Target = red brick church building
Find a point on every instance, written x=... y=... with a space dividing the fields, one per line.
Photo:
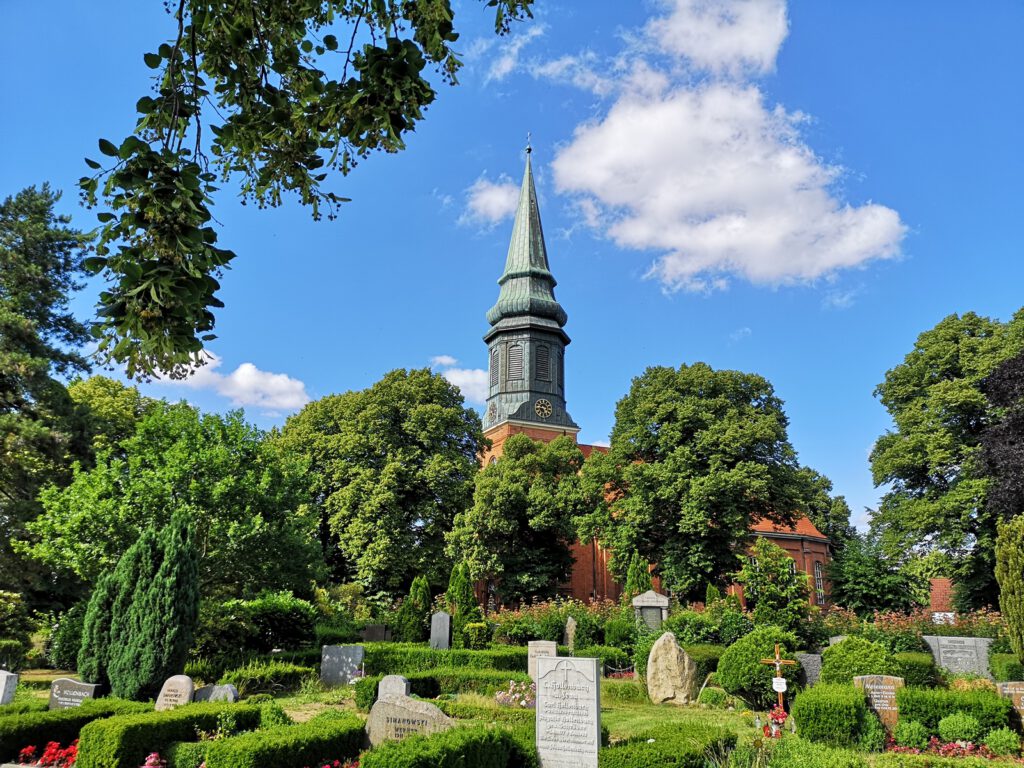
x=526 y=375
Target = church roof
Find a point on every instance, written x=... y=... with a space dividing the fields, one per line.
x=527 y=285
x=802 y=527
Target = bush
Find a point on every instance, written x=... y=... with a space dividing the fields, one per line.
x=62 y=725
x=929 y=705
x=432 y=683
x=66 y=638
x=959 y=726
x=793 y=752
x=691 y=747
x=1005 y=667
x=620 y=633
x=399 y=658
x=477 y=747
x=692 y=628
x=872 y=734
x=706 y=657
x=23 y=706
x=15 y=623
x=1003 y=742
x=237 y=628
x=12 y=654
x=186 y=754
x=613 y=658
x=741 y=673
x=830 y=714
x=716 y=698
x=855 y=656
x=623 y=691
x=124 y=742
x=413 y=617
x=476 y=635
x=281 y=620
x=733 y=624
x=916 y=668
x=329 y=736
x=266 y=677
x=340 y=630
x=910 y=733
x=645 y=640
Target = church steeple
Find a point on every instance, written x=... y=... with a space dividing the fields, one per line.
x=526 y=341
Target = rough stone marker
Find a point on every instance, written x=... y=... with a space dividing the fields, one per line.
x=671 y=673
x=396 y=715
x=216 y=693
x=568 y=711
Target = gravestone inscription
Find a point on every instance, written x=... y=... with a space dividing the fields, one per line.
x=216 y=693
x=395 y=715
x=651 y=608
x=881 y=693
x=539 y=648
x=568 y=712
x=8 y=685
x=176 y=690
x=1014 y=691
x=961 y=654
x=811 y=665
x=66 y=693
x=441 y=631
x=340 y=664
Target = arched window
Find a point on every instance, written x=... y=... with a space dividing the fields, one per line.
x=543 y=366
x=495 y=357
x=515 y=361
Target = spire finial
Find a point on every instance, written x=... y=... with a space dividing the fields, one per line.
x=529 y=148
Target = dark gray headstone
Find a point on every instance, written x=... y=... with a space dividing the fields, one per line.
x=66 y=693
x=340 y=664
x=216 y=693
x=376 y=633
x=961 y=654
x=8 y=685
x=441 y=631
x=811 y=664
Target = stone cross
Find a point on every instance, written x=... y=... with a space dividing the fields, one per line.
x=779 y=663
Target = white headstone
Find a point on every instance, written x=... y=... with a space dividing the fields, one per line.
x=568 y=711
x=539 y=648
x=8 y=684
x=176 y=690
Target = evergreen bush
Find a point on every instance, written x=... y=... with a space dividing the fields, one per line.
x=477 y=635
x=1005 y=667
x=872 y=733
x=613 y=658
x=638 y=578
x=281 y=621
x=910 y=733
x=462 y=602
x=692 y=628
x=959 y=726
x=855 y=656
x=327 y=737
x=477 y=747
x=929 y=705
x=412 y=622
x=645 y=640
x=399 y=658
x=830 y=714
x=794 y=752
x=1003 y=742
x=693 y=747
x=620 y=633
x=94 y=652
x=61 y=725
x=66 y=638
x=741 y=673
x=1010 y=576
x=917 y=668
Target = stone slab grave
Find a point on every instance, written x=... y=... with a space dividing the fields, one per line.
x=66 y=693
x=837 y=639
x=1014 y=691
x=671 y=673
x=376 y=633
x=569 y=636
x=340 y=664
x=216 y=693
x=176 y=690
x=881 y=693
x=396 y=715
x=961 y=654
x=8 y=685
x=568 y=711
x=652 y=608
x=538 y=648
x=441 y=631
x=810 y=663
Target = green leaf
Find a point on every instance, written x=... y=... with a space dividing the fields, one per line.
x=330 y=42
x=108 y=148
x=105 y=216
x=92 y=163
x=153 y=60
x=94 y=264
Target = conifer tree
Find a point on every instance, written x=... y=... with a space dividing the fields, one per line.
x=412 y=619
x=638 y=578
x=711 y=595
x=1010 y=575
x=462 y=602
x=95 y=647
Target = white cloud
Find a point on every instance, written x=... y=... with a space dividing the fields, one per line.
x=443 y=361
x=576 y=70
x=248 y=385
x=739 y=334
x=840 y=299
x=490 y=202
x=471 y=381
x=507 y=60
x=707 y=173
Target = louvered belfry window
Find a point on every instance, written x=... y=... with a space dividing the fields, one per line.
x=515 y=361
x=543 y=363
x=495 y=357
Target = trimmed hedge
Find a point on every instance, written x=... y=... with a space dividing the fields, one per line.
x=929 y=705
x=609 y=656
x=917 y=668
x=399 y=658
x=328 y=736
x=896 y=760
x=683 y=748
x=461 y=710
x=124 y=742
x=792 y=752
x=830 y=714
x=267 y=677
x=432 y=683
x=23 y=706
x=1005 y=667
x=476 y=747
x=705 y=657
x=61 y=725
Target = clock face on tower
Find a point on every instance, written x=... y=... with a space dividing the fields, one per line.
x=542 y=408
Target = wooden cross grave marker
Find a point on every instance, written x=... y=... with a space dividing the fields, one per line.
x=779 y=663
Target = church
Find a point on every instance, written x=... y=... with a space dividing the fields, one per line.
x=526 y=346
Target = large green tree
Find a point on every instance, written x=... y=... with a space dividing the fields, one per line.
x=518 y=533
x=930 y=461
x=110 y=410
x=244 y=501
x=388 y=468
x=1002 y=442
x=864 y=579
x=273 y=96
x=774 y=587
x=697 y=455
x=40 y=265
x=830 y=514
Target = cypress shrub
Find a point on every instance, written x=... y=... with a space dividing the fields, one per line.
x=855 y=656
x=477 y=747
x=93 y=653
x=1005 y=667
x=1010 y=575
x=830 y=714
x=66 y=640
x=638 y=578
x=462 y=602
x=411 y=623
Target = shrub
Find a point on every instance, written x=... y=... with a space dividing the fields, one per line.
x=12 y=654
x=855 y=656
x=910 y=733
x=124 y=742
x=611 y=658
x=1005 y=667
x=411 y=621
x=66 y=638
x=872 y=734
x=830 y=714
x=462 y=602
x=793 y=752
x=93 y=654
x=23 y=706
x=15 y=623
x=732 y=625
x=916 y=668
x=266 y=677
x=716 y=698
x=477 y=747
x=61 y=725
x=706 y=657
x=476 y=635
x=432 y=683
x=638 y=577
x=186 y=754
x=1003 y=742
x=331 y=735
x=281 y=620
x=691 y=747
x=692 y=628
x=777 y=590
x=645 y=640
x=929 y=705
x=340 y=630
x=959 y=726
x=741 y=673
x=399 y=658
x=620 y=633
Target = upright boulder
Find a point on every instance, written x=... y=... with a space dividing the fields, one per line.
x=671 y=673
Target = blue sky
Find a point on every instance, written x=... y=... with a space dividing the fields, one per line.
x=795 y=189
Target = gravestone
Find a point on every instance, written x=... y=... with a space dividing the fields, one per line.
x=441 y=631
x=539 y=648
x=66 y=693
x=961 y=654
x=837 y=639
x=810 y=663
x=216 y=693
x=376 y=633
x=8 y=684
x=671 y=673
x=569 y=637
x=1015 y=693
x=881 y=693
x=395 y=715
x=176 y=690
x=568 y=711
x=652 y=608
x=340 y=664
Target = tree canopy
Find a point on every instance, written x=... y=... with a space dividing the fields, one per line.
x=274 y=96
x=773 y=586
x=518 y=533
x=865 y=580
x=930 y=458
x=1002 y=442
x=697 y=455
x=388 y=469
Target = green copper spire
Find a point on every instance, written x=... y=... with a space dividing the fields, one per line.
x=527 y=285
